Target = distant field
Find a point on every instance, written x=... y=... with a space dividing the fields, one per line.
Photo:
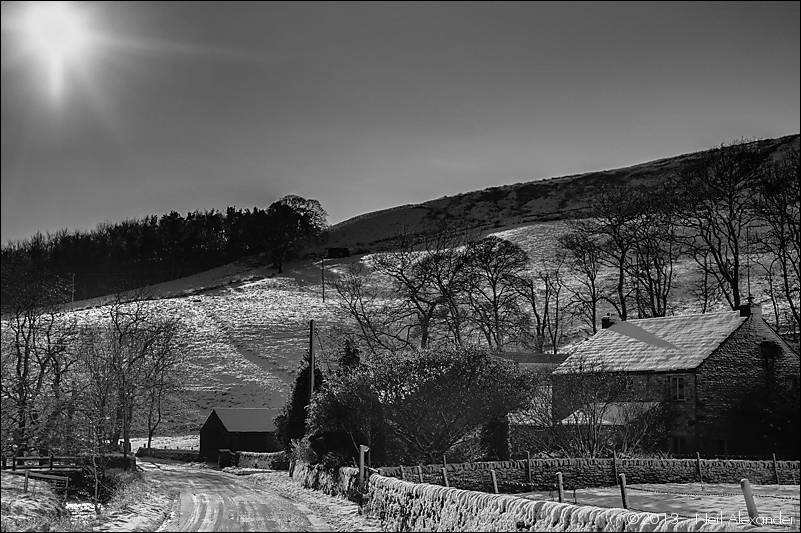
x=179 y=442
x=775 y=503
x=247 y=329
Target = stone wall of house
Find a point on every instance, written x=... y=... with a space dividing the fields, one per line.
x=735 y=379
x=513 y=476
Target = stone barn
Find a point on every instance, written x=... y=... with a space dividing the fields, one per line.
x=238 y=429
x=730 y=383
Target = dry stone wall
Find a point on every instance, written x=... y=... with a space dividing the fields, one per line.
x=272 y=461
x=406 y=506
x=342 y=482
x=513 y=476
x=163 y=453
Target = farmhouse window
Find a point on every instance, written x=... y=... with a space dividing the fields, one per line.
x=678 y=444
x=677 y=389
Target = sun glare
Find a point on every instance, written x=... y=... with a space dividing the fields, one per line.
x=56 y=33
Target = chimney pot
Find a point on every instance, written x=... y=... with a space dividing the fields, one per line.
x=606 y=321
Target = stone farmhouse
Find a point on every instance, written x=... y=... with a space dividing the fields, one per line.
x=714 y=372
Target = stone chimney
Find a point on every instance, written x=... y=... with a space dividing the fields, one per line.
x=607 y=321
x=751 y=308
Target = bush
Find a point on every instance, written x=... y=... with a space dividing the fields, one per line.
x=301 y=451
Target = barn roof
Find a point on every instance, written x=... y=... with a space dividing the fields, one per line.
x=653 y=344
x=246 y=419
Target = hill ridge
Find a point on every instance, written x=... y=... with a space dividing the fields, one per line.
x=552 y=198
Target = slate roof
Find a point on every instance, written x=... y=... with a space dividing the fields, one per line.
x=247 y=419
x=653 y=344
x=615 y=414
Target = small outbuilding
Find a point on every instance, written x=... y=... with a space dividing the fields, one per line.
x=244 y=429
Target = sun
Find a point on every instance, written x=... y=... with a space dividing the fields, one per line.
x=57 y=34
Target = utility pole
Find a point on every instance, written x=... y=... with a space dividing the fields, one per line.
x=322 y=275
x=73 y=287
x=748 y=260
x=311 y=360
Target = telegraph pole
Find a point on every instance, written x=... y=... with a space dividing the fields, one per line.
x=311 y=360
x=73 y=287
x=322 y=275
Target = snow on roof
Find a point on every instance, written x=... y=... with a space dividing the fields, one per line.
x=247 y=419
x=653 y=344
x=611 y=414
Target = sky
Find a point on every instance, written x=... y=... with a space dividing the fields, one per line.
x=186 y=106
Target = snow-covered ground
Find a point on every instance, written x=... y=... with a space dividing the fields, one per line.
x=34 y=508
x=178 y=442
x=243 y=342
x=247 y=328
x=342 y=514
x=777 y=504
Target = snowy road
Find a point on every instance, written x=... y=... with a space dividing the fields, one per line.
x=210 y=500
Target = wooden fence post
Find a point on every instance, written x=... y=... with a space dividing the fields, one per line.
x=776 y=470
x=362 y=450
x=51 y=461
x=444 y=461
x=445 y=477
x=25 y=489
x=560 y=487
x=13 y=462
x=419 y=474
x=4 y=462
x=698 y=467
x=622 y=481
x=614 y=464
x=528 y=471
x=494 y=480
x=750 y=504
x=403 y=476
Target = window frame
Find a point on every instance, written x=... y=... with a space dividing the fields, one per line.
x=677 y=392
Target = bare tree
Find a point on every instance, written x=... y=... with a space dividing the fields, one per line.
x=413 y=282
x=120 y=356
x=37 y=356
x=596 y=409
x=410 y=296
x=656 y=251
x=544 y=293
x=163 y=378
x=706 y=292
x=614 y=231
x=495 y=265
x=777 y=207
x=717 y=208
x=584 y=263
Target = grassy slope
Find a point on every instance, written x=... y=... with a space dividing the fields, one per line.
x=247 y=327
x=245 y=335
x=32 y=510
x=519 y=203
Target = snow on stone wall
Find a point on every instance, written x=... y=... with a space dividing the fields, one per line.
x=343 y=482
x=406 y=506
x=272 y=461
